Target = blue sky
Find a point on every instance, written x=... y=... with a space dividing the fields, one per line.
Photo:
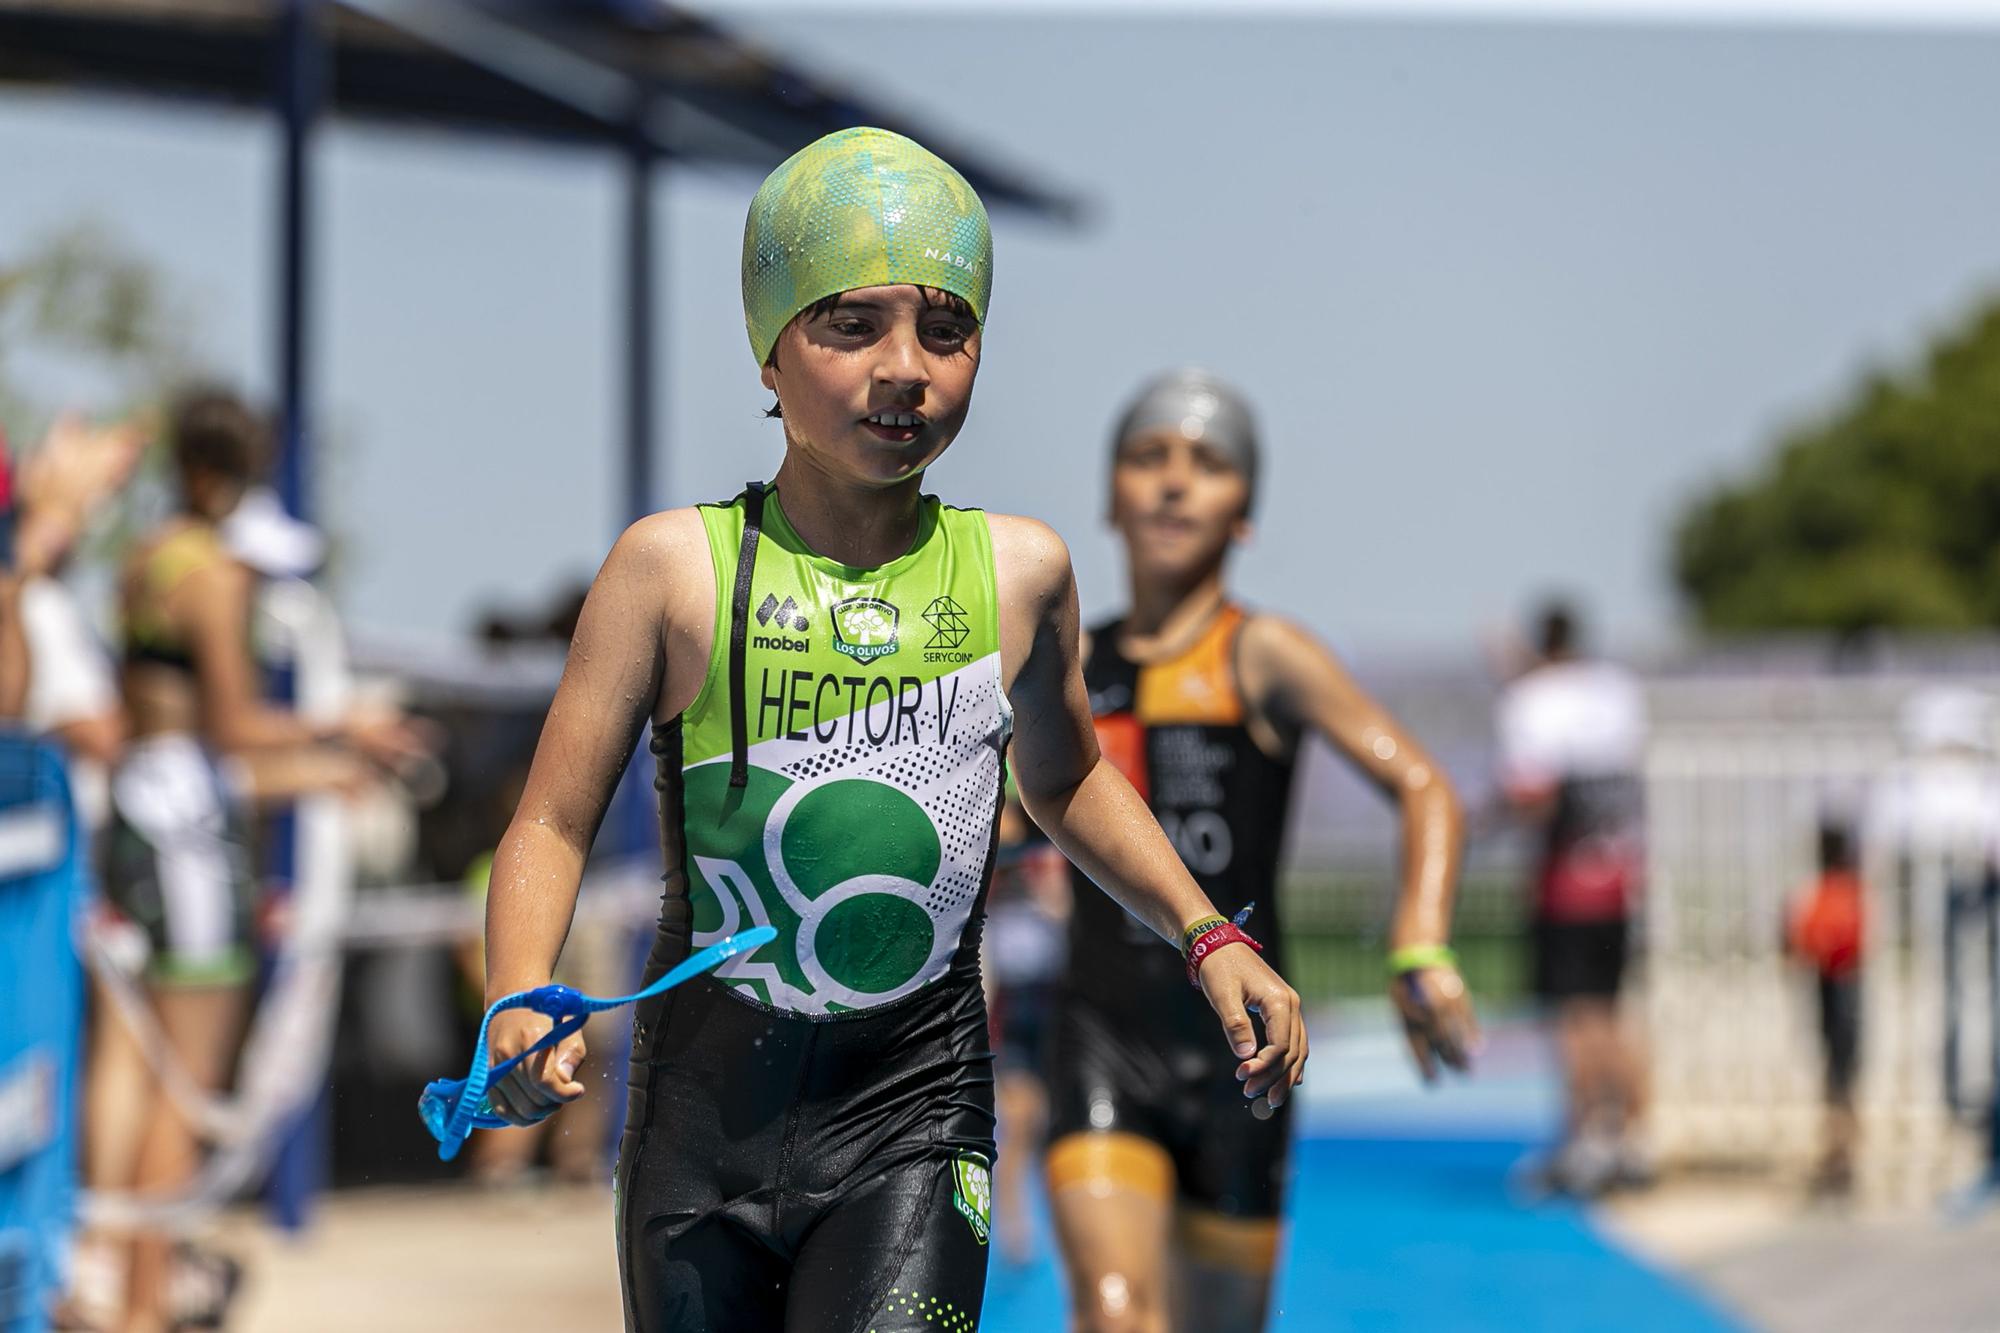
x=1506 y=293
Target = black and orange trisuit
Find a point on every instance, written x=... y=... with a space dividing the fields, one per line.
x=1136 y=1058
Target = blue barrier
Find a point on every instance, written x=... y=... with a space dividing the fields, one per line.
x=42 y=888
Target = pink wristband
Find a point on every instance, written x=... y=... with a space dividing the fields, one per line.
x=1224 y=934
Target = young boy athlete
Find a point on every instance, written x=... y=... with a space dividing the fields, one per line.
x=832 y=665
x=1167 y=1195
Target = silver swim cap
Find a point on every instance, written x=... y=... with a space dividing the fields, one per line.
x=1201 y=407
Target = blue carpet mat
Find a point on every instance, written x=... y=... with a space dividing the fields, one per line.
x=1420 y=1234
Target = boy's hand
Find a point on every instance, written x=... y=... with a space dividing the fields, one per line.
x=543 y=1083
x=1436 y=1010
x=1237 y=983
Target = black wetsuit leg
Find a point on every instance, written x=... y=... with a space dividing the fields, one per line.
x=714 y=1278
x=898 y=1255
x=1178 y=1089
x=700 y=1247
x=780 y=1172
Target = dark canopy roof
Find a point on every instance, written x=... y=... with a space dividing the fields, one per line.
x=630 y=73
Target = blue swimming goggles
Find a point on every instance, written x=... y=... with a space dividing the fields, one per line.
x=453 y=1107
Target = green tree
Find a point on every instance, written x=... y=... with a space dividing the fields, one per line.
x=1887 y=514
x=85 y=322
x=80 y=297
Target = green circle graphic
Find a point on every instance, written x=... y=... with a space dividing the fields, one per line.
x=857 y=827
x=723 y=821
x=874 y=942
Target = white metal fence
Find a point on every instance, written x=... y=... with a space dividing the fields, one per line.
x=1740 y=773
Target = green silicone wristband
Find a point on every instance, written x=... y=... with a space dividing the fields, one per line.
x=1420 y=956
x=1199 y=929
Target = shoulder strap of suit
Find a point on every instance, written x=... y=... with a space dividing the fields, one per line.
x=739 y=617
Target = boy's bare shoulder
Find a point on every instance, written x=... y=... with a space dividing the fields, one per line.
x=668 y=530
x=659 y=545
x=1029 y=555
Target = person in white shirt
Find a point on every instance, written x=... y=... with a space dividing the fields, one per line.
x=72 y=693
x=72 y=690
x=1571 y=740
x=1938 y=810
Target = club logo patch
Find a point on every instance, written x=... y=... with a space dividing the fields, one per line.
x=865 y=628
x=972 y=1191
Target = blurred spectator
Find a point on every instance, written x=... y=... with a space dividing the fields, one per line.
x=554 y=625
x=1571 y=738
x=72 y=693
x=1025 y=943
x=270 y=541
x=13 y=642
x=1939 y=806
x=177 y=867
x=1825 y=934
x=1939 y=809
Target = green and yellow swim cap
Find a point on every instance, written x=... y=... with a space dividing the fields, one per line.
x=860 y=208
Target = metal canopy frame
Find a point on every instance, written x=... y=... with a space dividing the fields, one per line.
x=644 y=78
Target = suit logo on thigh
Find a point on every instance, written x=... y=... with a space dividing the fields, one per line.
x=972 y=1191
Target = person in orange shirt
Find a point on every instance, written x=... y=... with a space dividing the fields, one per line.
x=1825 y=933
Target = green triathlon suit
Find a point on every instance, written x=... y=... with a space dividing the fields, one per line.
x=811 y=1126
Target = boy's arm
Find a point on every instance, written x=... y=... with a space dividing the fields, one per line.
x=1290 y=677
x=1091 y=812
x=651 y=591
